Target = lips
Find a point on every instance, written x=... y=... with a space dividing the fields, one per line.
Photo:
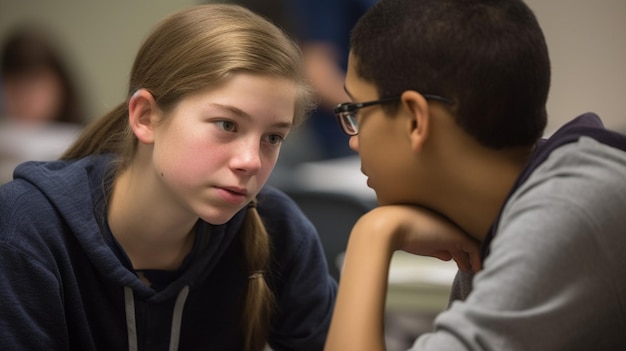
x=367 y=180
x=233 y=195
x=237 y=190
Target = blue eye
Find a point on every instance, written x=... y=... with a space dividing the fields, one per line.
x=226 y=125
x=275 y=139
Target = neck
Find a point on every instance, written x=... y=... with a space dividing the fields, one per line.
x=151 y=233
x=481 y=189
x=473 y=181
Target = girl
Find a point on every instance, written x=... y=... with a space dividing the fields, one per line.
x=154 y=231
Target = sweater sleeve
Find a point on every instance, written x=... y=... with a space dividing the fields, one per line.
x=32 y=315
x=554 y=277
x=305 y=291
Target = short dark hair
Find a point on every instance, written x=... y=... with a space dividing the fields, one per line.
x=489 y=56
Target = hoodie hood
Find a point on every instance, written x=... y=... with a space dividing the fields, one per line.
x=69 y=287
x=66 y=185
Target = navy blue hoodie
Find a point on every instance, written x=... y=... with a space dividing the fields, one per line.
x=65 y=284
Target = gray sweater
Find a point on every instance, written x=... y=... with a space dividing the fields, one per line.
x=554 y=278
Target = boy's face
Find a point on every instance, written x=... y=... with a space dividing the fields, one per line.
x=383 y=144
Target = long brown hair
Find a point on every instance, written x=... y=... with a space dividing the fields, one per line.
x=188 y=51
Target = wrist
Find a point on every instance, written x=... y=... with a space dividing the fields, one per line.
x=380 y=232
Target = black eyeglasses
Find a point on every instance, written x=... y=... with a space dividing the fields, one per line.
x=346 y=112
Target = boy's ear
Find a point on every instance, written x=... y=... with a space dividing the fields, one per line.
x=142 y=114
x=419 y=118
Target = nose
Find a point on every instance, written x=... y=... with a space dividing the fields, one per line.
x=247 y=158
x=353 y=142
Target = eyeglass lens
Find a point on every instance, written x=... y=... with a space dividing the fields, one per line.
x=349 y=122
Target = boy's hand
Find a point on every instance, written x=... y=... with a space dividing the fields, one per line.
x=359 y=310
x=422 y=232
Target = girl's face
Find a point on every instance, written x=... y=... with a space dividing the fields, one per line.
x=217 y=148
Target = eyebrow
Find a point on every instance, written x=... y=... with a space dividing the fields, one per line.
x=241 y=113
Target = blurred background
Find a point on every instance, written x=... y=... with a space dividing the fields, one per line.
x=97 y=42
x=585 y=38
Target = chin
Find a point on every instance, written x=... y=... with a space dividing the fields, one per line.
x=383 y=200
x=219 y=218
x=380 y=199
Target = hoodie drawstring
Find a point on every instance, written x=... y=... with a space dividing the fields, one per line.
x=131 y=325
x=177 y=316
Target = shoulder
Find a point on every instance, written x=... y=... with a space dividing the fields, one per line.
x=575 y=173
x=22 y=201
x=569 y=216
x=583 y=180
x=46 y=202
x=271 y=193
x=289 y=228
x=578 y=195
x=559 y=248
x=285 y=222
x=278 y=208
x=27 y=220
x=557 y=260
x=584 y=173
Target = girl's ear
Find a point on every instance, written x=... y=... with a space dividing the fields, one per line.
x=419 y=118
x=142 y=115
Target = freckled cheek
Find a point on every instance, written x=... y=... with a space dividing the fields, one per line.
x=189 y=162
x=266 y=171
x=271 y=157
x=268 y=162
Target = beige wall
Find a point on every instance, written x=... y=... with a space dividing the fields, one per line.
x=587 y=41
x=100 y=37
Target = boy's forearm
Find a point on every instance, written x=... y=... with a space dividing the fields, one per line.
x=358 y=319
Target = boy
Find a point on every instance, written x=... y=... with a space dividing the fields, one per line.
x=447 y=117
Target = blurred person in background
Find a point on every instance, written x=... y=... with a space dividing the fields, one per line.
x=323 y=29
x=41 y=108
